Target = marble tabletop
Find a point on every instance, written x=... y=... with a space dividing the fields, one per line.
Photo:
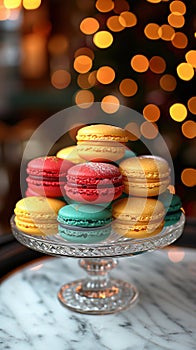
x=32 y=318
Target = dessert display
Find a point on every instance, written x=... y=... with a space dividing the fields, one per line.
x=37 y=215
x=46 y=176
x=173 y=207
x=81 y=223
x=137 y=217
x=101 y=142
x=145 y=176
x=94 y=182
x=70 y=153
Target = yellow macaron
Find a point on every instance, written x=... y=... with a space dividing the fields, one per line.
x=101 y=142
x=37 y=215
x=145 y=176
x=71 y=154
x=136 y=217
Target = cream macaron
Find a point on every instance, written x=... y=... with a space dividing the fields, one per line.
x=145 y=176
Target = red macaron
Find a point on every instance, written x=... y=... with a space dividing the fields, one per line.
x=47 y=176
x=94 y=182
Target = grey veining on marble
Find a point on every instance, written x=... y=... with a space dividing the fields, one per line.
x=31 y=317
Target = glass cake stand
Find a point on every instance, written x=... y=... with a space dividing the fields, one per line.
x=98 y=293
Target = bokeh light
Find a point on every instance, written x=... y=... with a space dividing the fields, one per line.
x=103 y=39
x=84 y=98
x=57 y=44
x=154 y=1
x=82 y=64
x=89 y=25
x=12 y=4
x=151 y=112
x=176 y=254
x=189 y=129
x=127 y=19
x=86 y=51
x=191 y=57
x=105 y=75
x=128 y=87
x=31 y=4
x=168 y=82
x=84 y=82
x=185 y=71
x=60 y=79
x=133 y=131
x=180 y=40
x=121 y=6
x=110 y=104
x=188 y=177
x=166 y=32
x=176 y=20
x=152 y=31
x=114 y=24
x=104 y=5
x=157 y=64
x=149 y=130
x=178 y=112
x=178 y=6
x=139 y=63
x=192 y=104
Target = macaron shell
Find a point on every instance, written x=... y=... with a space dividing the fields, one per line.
x=100 y=151
x=87 y=236
x=102 y=132
x=45 y=188
x=137 y=231
x=70 y=153
x=144 y=188
x=49 y=166
x=95 y=196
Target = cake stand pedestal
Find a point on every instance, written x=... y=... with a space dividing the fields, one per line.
x=98 y=293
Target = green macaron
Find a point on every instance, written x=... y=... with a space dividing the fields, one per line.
x=84 y=223
x=173 y=205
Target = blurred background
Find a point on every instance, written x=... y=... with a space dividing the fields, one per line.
x=55 y=54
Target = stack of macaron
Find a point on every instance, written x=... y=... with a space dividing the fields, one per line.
x=104 y=187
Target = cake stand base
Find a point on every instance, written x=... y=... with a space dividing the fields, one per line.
x=98 y=294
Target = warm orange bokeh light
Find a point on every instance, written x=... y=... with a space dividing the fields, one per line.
x=185 y=71
x=82 y=64
x=157 y=64
x=152 y=31
x=31 y=4
x=166 y=32
x=168 y=82
x=176 y=20
x=84 y=51
x=104 y=5
x=192 y=104
x=127 y=19
x=189 y=129
x=154 y=1
x=4 y=13
x=178 y=6
x=92 y=78
x=188 y=177
x=60 y=79
x=105 y=75
x=89 y=25
x=57 y=44
x=84 y=98
x=103 y=39
x=176 y=254
x=133 y=131
x=83 y=81
x=151 y=112
x=12 y=4
x=139 y=63
x=180 y=40
x=114 y=24
x=110 y=104
x=128 y=87
x=178 y=112
x=191 y=57
x=149 y=130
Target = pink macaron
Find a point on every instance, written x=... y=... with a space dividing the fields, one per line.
x=47 y=176
x=94 y=182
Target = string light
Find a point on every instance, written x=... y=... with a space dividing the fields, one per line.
x=188 y=177
x=189 y=129
x=128 y=87
x=84 y=98
x=185 y=71
x=105 y=75
x=139 y=63
x=82 y=64
x=103 y=39
x=178 y=112
x=151 y=112
x=168 y=82
x=191 y=57
x=192 y=104
x=110 y=104
x=89 y=25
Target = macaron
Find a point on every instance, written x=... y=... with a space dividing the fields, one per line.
x=94 y=182
x=70 y=153
x=136 y=217
x=37 y=215
x=173 y=207
x=47 y=176
x=145 y=176
x=101 y=142
x=80 y=223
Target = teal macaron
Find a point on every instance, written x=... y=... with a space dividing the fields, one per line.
x=84 y=223
x=173 y=205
